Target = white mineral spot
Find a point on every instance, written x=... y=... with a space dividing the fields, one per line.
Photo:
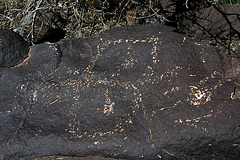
x=232 y=95
x=136 y=41
x=35 y=95
x=199 y=95
x=197 y=44
x=180 y=121
x=184 y=39
x=22 y=87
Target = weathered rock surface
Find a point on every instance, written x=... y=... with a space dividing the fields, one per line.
x=221 y=22
x=73 y=158
x=140 y=92
x=13 y=48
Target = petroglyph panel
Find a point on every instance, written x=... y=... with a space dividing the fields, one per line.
x=127 y=93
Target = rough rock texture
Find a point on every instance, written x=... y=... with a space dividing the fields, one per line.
x=48 y=27
x=231 y=67
x=13 y=48
x=140 y=92
x=73 y=158
x=220 y=22
x=168 y=7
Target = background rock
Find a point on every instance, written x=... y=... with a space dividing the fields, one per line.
x=49 y=27
x=139 y=92
x=219 y=22
x=73 y=158
x=13 y=48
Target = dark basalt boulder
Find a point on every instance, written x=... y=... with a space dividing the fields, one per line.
x=13 y=48
x=139 y=92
